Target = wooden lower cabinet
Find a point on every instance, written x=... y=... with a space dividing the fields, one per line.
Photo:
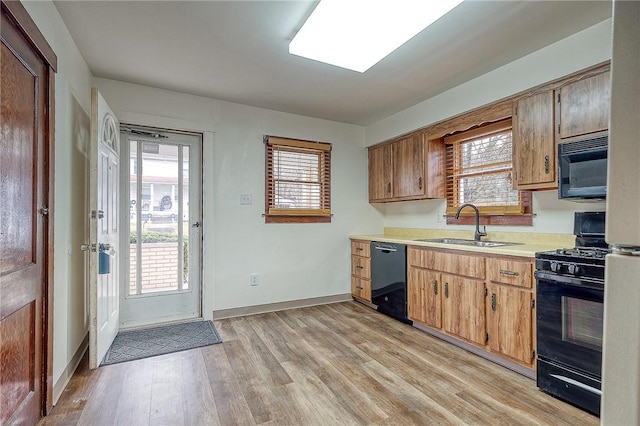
x=424 y=297
x=361 y=270
x=463 y=310
x=486 y=301
x=509 y=322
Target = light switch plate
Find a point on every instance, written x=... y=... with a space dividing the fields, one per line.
x=246 y=199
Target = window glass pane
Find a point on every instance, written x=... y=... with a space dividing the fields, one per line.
x=480 y=171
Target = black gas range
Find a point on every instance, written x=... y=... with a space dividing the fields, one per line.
x=569 y=313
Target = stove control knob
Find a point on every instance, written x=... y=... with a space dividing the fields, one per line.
x=555 y=266
x=573 y=269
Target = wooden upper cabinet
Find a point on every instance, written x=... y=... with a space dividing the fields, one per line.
x=584 y=106
x=380 y=173
x=408 y=167
x=534 y=148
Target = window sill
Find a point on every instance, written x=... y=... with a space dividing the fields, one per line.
x=296 y=219
x=509 y=220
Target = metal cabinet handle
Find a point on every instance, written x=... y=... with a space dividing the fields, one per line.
x=389 y=187
x=446 y=290
x=435 y=287
x=420 y=183
x=547 y=167
x=493 y=302
x=507 y=272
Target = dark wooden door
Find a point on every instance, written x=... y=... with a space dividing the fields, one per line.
x=23 y=229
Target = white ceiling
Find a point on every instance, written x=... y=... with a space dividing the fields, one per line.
x=238 y=51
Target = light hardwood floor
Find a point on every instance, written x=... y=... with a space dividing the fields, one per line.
x=337 y=364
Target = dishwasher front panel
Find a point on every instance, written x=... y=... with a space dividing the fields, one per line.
x=389 y=279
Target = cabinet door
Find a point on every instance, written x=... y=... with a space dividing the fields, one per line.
x=408 y=167
x=380 y=173
x=534 y=148
x=584 y=106
x=424 y=297
x=509 y=322
x=463 y=308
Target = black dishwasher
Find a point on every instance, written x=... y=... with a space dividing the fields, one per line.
x=389 y=279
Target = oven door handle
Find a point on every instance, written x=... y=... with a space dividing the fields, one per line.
x=573 y=382
x=576 y=282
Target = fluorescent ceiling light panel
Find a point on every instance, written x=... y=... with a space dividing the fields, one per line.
x=357 y=34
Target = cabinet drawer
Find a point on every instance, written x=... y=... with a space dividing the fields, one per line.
x=361 y=248
x=361 y=267
x=361 y=288
x=510 y=271
x=461 y=263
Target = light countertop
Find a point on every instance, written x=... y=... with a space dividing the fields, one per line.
x=529 y=242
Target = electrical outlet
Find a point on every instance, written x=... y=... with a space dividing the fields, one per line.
x=253 y=279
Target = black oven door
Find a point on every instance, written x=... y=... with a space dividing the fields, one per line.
x=582 y=174
x=569 y=322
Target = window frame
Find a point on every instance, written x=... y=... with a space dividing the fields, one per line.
x=273 y=214
x=490 y=215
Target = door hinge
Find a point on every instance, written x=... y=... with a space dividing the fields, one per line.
x=533 y=303
x=558 y=97
x=486 y=337
x=44 y=211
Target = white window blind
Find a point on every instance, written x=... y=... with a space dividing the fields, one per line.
x=298 y=178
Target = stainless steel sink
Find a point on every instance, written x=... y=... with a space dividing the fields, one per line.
x=464 y=242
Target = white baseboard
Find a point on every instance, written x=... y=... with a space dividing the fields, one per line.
x=63 y=381
x=279 y=306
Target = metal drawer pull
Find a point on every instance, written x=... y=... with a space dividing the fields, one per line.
x=359 y=267
x=359 y=248
x=359 y=288
x=507 y=272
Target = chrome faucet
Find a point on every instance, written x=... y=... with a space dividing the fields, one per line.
x=477 y=234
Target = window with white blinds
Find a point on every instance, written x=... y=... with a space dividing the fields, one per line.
x=479 y=170
x=298 y=180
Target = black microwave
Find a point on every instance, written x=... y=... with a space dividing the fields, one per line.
x=582 y=169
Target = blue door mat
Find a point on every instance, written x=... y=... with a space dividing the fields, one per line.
x=148 y=342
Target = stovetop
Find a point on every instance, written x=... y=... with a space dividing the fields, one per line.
x=583 y=262
x=583 y=253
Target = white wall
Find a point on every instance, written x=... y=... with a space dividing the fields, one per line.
x=72 y=106
x=581 y=50
x=294 y=261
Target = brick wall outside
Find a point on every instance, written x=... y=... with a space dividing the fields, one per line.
x=159 y=267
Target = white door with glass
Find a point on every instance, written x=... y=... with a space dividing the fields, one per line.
x=104 y=229
x=161 y=251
